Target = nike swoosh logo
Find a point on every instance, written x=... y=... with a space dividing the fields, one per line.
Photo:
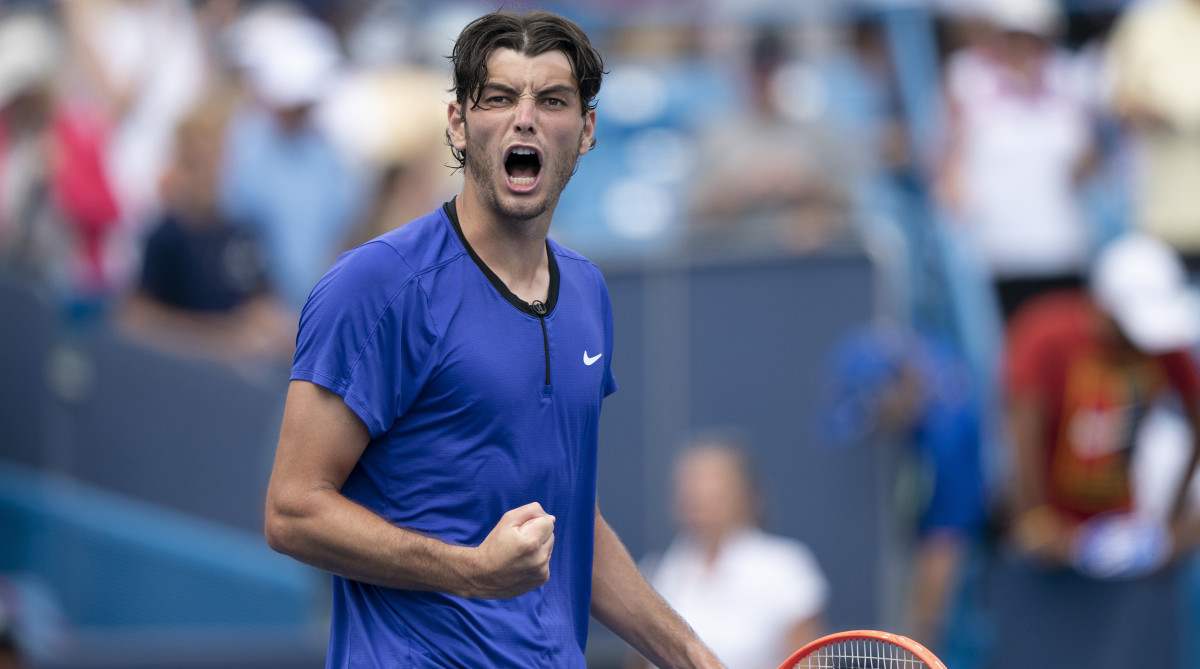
x=589 y=361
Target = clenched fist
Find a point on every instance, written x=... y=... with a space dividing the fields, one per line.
x=515 y=556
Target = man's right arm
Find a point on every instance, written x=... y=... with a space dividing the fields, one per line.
x=308 y=518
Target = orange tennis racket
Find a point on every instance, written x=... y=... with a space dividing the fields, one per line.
x=863 y=649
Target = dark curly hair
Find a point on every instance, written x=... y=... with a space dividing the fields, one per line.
x=532 y=34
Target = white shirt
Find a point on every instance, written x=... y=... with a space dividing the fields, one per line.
x=743 y=605
x=1020 y=150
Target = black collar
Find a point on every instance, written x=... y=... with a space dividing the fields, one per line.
x=451 y=209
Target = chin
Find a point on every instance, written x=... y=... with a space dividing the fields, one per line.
x=522 y=207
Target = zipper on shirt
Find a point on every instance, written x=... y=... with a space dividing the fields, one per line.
x=539 y=308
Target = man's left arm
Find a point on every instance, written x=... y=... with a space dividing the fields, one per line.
x=625 y=603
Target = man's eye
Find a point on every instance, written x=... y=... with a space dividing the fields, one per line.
x=497 y=100
x=555 y=102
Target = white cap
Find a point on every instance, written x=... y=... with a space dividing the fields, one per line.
x=1142 y=284
x=28 y=53
x=1036 y=17
x=289 y=59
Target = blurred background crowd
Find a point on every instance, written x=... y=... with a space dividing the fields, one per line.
x=205 y=161
x=181 y=173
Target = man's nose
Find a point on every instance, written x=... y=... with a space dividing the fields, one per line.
x=525 y=114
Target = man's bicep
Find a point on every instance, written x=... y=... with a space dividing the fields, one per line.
x=321 y=438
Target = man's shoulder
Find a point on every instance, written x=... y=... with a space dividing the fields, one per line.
x=419 y=234
x=378 y=270
x=570 y=261
x=563 y=252
x=417 y=247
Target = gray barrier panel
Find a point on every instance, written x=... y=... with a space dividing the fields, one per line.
x=743 y=344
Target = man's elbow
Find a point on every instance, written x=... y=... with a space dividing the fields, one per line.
x=279 y=528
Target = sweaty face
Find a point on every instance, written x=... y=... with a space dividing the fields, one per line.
x=524 y=138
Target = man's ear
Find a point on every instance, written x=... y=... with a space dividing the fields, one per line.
x=589 y=132
x=457 y=126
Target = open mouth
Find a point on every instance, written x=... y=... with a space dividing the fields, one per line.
x=522 y=166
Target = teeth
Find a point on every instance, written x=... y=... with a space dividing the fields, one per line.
x=523 y=181
x=523 y=151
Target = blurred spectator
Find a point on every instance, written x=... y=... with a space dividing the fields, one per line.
x=892 y=385
x=772 y=174
x=1107 y=189
x=214 y=21
x=1154 y=49
x=1082 y=371
x=203 y=286
x=284 y=177
x=143 y=62
x=57 y=208
x=11 y=656
x=753 y=597
x=389 y=114
x=875 y=111
x=1020 y=140
x=892 y=202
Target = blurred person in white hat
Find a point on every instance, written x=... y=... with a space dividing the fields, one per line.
x=285 y=177
x=1082 y=370
x=288 y=59
x=1020 y=140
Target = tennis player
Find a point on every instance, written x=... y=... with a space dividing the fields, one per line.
x=439 y=441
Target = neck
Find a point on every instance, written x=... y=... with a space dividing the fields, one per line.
x=515 y=250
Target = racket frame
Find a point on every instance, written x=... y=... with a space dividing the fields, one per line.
x=874 y=636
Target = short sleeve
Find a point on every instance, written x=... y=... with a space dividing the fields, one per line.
x=367 y=335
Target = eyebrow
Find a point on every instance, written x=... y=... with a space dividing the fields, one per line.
x=553 y=89
x=558 y=89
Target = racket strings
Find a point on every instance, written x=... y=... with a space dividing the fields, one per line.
x=861 y=654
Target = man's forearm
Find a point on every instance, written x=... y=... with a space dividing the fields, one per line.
x=307 y=517
x=332 y=533
x=625 y=603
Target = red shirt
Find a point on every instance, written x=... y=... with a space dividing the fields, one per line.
x=1093 y=396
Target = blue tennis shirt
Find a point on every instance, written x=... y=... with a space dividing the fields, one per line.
x=477 y=403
